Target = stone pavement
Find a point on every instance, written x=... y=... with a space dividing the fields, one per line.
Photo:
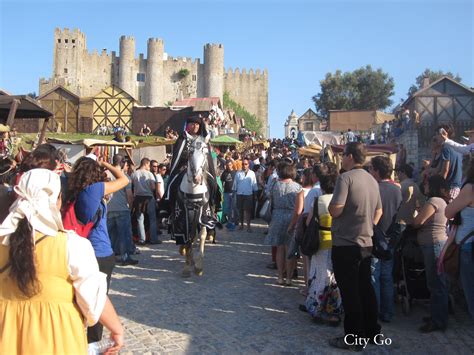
x=236 y=307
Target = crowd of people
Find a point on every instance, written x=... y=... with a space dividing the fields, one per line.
x=42 y=261
x=343 y=277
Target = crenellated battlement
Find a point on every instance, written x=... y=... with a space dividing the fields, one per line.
x=67 y=32
x=127 y=38
x=155 y=40
x=183 y=59
x=103 y=55
x=251 y=74
x=213 y=45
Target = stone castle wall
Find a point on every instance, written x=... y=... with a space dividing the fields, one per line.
x=250 y=90
x=176 y=87
x=155 y=80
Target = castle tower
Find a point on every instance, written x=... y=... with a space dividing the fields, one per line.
x=127 y=70
x=154 y=73
x=67 y=63
x=214 y=70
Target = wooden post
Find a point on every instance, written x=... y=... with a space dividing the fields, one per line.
x=66 y=126
x=11 y=114
x=43 y=130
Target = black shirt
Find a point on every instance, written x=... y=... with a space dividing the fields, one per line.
x=227 y=179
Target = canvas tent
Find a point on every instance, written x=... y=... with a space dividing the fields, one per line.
x=312 y=150
x=80 y=147
x=136 y=151
x=225 y=140
x=373 y=150
x=23 y=108
x=321 y=138
x=342 y=120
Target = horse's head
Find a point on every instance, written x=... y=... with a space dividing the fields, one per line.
x=197 y=160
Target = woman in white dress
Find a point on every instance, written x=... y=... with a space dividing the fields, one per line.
x=323 y=302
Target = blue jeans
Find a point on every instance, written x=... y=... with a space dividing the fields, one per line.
x=382 y=280
x=228 y=209
x=467 y=275
x=437 y=284
x=151 y=212
x=119 y=225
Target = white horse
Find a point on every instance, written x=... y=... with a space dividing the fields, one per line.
x=194 y=194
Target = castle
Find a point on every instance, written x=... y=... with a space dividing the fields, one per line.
x=158 y=79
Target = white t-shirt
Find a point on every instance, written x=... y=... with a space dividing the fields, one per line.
x=309 y=199
x=161 y=185
x=143 y=182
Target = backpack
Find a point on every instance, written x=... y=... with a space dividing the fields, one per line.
x=310 y=240
x=70 y=221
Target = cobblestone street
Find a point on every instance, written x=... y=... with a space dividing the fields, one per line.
x=236 y=307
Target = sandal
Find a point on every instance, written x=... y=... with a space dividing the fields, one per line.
x=280 y=282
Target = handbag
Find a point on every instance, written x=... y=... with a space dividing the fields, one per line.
x=451 y=257
x=293 y=247
x=266 y=211
x=380 y=246
x=383 y=243
x=267 y=208
x=300 y=228
x=310 y=242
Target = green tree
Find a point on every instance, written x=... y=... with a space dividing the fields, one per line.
x=252 y=123
x=433 y=76
x=362 y=89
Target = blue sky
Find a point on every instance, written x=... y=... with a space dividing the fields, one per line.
x=297 y=41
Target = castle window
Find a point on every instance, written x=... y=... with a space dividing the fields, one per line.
x=59 y=40
x=66 y=41
x=194 y=77
x=308 y=126
x=65 y=70
x=73 y=41
x=141 y=77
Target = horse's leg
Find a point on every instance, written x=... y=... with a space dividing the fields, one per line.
x=188 y=252
x=198 y=267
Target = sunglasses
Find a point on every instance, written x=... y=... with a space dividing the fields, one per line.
x=154 y=166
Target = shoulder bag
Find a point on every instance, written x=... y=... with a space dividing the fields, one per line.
x=267 y=208
x=310 y=241
x=451 y=257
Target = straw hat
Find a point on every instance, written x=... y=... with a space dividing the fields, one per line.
x=4 y=128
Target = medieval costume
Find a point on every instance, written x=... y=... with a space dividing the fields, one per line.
x=182 y=230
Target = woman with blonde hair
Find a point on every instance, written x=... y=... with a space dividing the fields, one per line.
x=50 y=279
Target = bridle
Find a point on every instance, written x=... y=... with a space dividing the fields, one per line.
x=197 y=160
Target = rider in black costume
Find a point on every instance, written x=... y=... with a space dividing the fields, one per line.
x=194 y=127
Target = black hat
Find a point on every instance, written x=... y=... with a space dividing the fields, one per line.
x=195 y=119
